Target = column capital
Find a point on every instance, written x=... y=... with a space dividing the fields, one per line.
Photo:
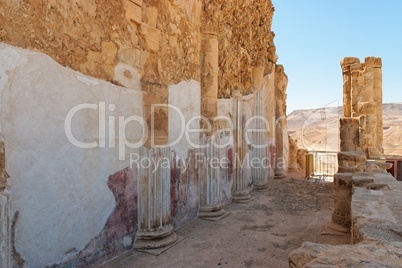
x=373 y=62
x=349 y=61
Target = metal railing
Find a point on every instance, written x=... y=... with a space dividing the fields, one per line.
x=325 y=163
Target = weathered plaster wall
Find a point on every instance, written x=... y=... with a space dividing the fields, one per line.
x=148 y=45
x=184 y=116
x=120 y=41
x=59 y=191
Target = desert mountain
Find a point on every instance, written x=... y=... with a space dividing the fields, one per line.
x=318 y=129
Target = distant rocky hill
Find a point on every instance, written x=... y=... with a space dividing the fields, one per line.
x=318 y=129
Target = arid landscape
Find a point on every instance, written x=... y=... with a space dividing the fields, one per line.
x=318 y=129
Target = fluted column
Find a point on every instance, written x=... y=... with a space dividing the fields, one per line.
x=154 y=227
x=209 y=172
x=259 y=173
x=269 y=112
x=241 y=181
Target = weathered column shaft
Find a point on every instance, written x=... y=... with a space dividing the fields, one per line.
x=293 y=166
x=269 y=111
x=357 y=83
x=209 y=172
x=376 y=64
x=365 y=99
x=347 y=88
x=346 y=64
x=154 y=228
x=259 y=146
x=241 y=182
x=209 y=75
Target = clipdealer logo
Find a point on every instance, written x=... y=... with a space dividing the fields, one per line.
x=112 y=131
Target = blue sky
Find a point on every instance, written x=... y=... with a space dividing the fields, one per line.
x=312 y=37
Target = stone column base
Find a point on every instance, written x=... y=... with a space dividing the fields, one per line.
x=261 y=185
x=242 y=196
x=279 y=175
x=155 y=239
x=212 y=213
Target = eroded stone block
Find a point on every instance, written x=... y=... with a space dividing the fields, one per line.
x=133 y=11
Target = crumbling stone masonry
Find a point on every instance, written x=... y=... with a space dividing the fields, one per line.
x=129 y=58
x=366 y=198
x=375 y=222
x=360 y=129
x=362 y=94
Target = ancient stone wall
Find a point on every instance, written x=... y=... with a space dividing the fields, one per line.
x=59 y=157
x=96 y=36
x=246 y=41
x=362 y=91
x=371 y=201
x=186 y=53
x=151 y=43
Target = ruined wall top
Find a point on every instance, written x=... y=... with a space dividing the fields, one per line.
x=158 y=42
x=362 y=100
x=246 y=40
x=368 y=61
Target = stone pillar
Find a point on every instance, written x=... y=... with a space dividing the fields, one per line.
x=209 y=74
x=269 y=112
x=282 y=154
x=376 y=64
x=347 y=84
x=351 y=159
x=209 y=173
x=301 y=159
x=293 y=166
x=343 y=191
x=349 y=134
x=210 y=195
x=363 y=94
x=156 y=117
x=357 y=83
x=154 y=227
x=241 y=182
x=367 y=107
x=259 y=145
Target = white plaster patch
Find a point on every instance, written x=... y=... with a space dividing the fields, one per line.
x=185 y=99
x=60 y=190
x=9 y=59
x=87 y=80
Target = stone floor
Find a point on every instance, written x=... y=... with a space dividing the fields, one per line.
x=261 y=233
